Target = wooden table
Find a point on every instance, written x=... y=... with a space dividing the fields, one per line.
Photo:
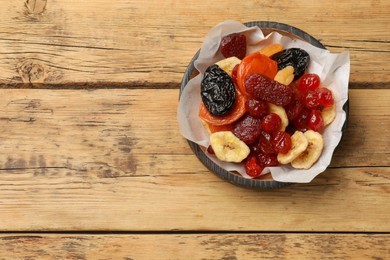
x=93 y=165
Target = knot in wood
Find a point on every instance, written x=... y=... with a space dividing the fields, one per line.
x=32 y=72
x=35 y=6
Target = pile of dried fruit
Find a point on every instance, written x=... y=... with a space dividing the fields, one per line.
x=264 y=109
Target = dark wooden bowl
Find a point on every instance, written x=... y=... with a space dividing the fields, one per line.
x=235 y=178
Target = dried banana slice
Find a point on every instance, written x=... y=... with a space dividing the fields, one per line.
x=227 y=147
x=312 y=152
x=281 y=112
x=298 y=146
x=228 y=64
x=328 y=114
x=285 y=76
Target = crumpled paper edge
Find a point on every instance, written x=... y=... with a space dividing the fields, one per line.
x=333 y=70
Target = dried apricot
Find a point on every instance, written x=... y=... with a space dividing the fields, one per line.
x=220 y=128
x=255 y=63
x=235 y=113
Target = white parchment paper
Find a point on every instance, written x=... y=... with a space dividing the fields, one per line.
x=333 y=70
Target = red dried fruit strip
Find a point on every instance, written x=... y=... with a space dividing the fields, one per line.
x=255 y=63
x=263 y=88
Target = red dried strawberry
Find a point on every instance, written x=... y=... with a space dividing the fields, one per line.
x=247 y=129
x=233 y=45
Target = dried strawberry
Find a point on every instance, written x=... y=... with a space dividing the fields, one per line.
x=247 y=129
x=233 y=45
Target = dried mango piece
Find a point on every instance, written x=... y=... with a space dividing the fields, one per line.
x=285 y=76
x=271 y=49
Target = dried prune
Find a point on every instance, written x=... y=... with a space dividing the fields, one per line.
x=295 y=57
x=217 y=91
x=247 y=129
x=263 y=88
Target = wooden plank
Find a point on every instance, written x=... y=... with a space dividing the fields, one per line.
x=196 y=246
x=63 y=42
x=189 y=199
x=83 y=129
x=114 y=160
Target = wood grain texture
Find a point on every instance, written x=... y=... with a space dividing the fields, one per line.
x=197 y=246
x=136 y=43
x=114 y=160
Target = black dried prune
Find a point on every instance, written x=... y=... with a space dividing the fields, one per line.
x=295 y=57
x=217 y=91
